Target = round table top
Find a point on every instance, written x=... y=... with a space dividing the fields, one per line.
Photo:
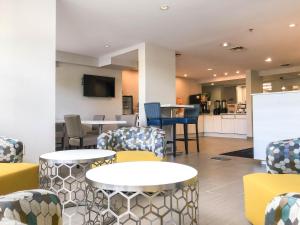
x=141 y=176
x=98 y=122
x=78 y=156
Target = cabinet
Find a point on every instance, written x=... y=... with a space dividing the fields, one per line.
x=212 y=124
x=240 y=124
x=228 y=124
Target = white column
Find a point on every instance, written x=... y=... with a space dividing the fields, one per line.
x=253 y=85
x=27 y=72
x=157 y=76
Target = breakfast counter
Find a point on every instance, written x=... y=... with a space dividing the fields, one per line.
x=230 y=125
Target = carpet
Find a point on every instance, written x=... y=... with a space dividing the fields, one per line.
x=244 y=153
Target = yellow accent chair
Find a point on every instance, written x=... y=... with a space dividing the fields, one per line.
x=283 y=166
x=15 y=175
x=134 y=143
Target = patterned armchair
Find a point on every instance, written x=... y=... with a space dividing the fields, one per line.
x=33 y=207
x=284 y=157
x=284 y=209
x=11 y=150
x=134 y=138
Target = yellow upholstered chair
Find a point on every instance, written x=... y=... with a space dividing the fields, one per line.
x=283 y=166
x=134 y=143
x=14 y=175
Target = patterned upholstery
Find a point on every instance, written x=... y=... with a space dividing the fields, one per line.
x=33 y=207
x=284 y=156
x=134 y=138
x=11 y=150
x=284 y=209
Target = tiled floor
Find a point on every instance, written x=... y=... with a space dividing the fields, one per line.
x=220 y=182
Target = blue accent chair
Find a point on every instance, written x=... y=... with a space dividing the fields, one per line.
x=190 y=117
x=154 y=118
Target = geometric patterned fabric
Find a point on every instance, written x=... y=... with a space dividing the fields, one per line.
x=134 y=138
x=284 y=210
x=283 y=157
x=32 y=207
x=11 y=150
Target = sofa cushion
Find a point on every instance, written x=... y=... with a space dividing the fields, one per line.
x=261 y=188
x=18 y=176
x=133 y=156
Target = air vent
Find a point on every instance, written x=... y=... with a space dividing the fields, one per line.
x=177 y=54
x=237 y=49
x=285 y=65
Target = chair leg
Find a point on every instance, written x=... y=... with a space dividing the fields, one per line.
x=174 y=140
x=186 y=140
x=81 y=143
x=197 y=137
x=63 y=143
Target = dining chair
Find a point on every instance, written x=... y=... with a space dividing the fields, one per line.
x=154 y=118
x=190 y=117
x=76 y=134
x=131 y=120
x=60 y=136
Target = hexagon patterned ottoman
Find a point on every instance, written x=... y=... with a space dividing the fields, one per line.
x=32 y=207
x=284 y=209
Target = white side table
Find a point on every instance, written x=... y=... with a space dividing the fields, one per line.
x=156 y=193
x=64 y=172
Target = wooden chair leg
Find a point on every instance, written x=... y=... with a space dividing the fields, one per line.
x=174 y=140
x=186 y=140
x=197 y=137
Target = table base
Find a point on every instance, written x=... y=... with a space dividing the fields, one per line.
x=176 y=207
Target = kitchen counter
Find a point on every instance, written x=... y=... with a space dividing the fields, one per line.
x=231 y=125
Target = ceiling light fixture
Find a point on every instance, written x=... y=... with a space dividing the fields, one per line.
x=225 y=44
x=292 y=25
x=164 y=7
x=185 y=75
x=107 y=46
x=215 y=75
x=209 y=69
x=283 y=88
x=212 y=84
x=237 y=71
x=226 y=74
x=269 y=59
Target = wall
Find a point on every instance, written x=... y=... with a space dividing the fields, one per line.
x=186 y=87
x=69 y=93
x=130 y=86
x=27 y=71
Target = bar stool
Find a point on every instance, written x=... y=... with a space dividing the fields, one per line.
x=190 y=117
x=153 y=115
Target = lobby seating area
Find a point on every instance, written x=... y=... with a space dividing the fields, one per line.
x=148 y=112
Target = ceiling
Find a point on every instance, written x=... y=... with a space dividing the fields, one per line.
x=194 y=28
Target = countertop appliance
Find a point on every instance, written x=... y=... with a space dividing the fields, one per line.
x=217 y=107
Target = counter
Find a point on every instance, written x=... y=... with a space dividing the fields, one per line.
x=224 y=125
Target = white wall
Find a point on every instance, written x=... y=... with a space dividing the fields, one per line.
x=27 y=72
x=275 y=118
x=186 y=87
x=69 y=92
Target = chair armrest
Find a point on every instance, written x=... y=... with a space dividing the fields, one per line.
x=11 y=150
x=16 y=207
x=283 y=209
x=104 y=141
x=158 y=137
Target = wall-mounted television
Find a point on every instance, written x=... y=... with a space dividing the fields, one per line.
x=98 y=86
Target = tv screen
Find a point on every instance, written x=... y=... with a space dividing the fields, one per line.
x=97 y=86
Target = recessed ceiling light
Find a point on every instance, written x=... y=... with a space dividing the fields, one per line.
x=292 y=25
x=209 y=69
x=185 y=75
x=164 y=7
x=212 y=84
x=269 y=59
x=215 y=75
x=226 y=74
x=107 y=46
x=283 y=88
x=225 y=44
x=237 y=71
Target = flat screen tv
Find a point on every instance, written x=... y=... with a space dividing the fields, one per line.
x=97 y=86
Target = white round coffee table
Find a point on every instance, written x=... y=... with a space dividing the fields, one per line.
x=63 y=172
x=141 y=193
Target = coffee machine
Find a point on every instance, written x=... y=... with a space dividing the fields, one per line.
x=223 y=108
x=217 y=107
